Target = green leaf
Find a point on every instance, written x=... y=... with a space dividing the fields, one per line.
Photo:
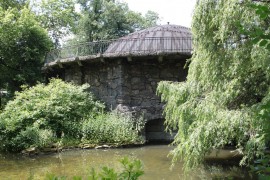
x=263 y=16
x=77 y=178
x=268 y=46
x=256 y=40
x=263 y=42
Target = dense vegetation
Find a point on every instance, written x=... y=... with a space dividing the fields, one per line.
x=58 y=17
x=112 y=127
x=23 y=44
x=226 y=97
x=61 y=112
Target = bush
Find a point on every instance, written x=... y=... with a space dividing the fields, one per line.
x=43 y=112
x=62 y=112
x=112 y=127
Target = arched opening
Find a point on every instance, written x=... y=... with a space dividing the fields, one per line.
x=155 y=132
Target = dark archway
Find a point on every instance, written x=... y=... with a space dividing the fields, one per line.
x=155 y=132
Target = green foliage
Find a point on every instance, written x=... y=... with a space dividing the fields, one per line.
x=23 y=45
x=43 y=112
x=261 y=37
x=19 y=4
x=103 y=19
x=151 y=19
x=259 y=34
x=226 y=97
x=112 y=128
x=58 y=17
x=54 y=177
x=65 y=113
x=132 y=170
x=262 y=167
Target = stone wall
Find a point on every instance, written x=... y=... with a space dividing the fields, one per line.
x=129 y=85
x=104 y=80
x=141 y=79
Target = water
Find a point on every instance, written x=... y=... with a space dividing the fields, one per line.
x=79 y=162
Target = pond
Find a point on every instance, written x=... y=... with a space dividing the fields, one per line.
x=79 y=162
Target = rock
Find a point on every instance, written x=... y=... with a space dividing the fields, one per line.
x=122 y=108
x=87 y=146
x=103 y=147
x=55 y=145
x=30 y=151
x=135 y=92
x=113 y=85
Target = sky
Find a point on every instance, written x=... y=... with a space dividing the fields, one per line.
x=177 y=12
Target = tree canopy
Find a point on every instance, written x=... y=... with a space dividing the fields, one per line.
x=89 y=20
x=226 y=97
x=23 y=44
x=107 y=19
x=58 y=17
x=12 y=4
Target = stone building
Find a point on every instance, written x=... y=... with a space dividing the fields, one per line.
x=124 y=73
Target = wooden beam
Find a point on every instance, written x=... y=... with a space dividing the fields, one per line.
x=100 y=56
x=129 y=58
x=60 y=64
x=102 y=60
x=50 y=68
x=79 y=63
x=160 y=59
x=77 y=59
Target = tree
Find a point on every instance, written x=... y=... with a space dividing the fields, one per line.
x=260 y=34
x=23 y=44
x=151 y=19
x=58 y=17
x=89 y=24
x=226 y=97
x=106 y=19
x=12 y=3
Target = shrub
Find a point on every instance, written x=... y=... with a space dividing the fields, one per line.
x=112 y=127
x=43 y=112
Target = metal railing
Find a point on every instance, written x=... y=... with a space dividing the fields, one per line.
x=85 y=49
x=122 y=47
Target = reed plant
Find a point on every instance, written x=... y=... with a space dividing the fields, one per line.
x=113 y=127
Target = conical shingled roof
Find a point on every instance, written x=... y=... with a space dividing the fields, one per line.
x=161 y=31
x=162 y=39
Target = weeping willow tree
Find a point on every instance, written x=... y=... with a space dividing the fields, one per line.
x=226 y=97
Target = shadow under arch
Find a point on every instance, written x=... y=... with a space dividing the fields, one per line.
x=155 y=132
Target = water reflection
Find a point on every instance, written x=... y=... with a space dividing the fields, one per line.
x=79 y=162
